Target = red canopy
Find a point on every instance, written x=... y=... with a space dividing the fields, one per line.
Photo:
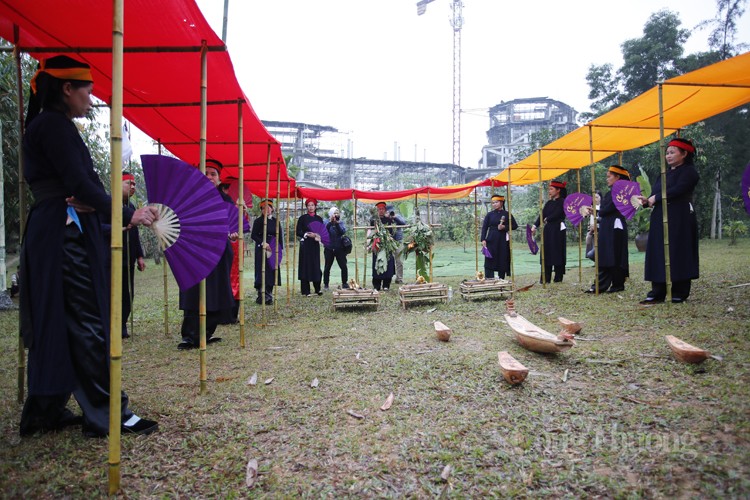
x=162 y=74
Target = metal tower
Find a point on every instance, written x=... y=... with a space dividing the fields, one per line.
x=457 y=22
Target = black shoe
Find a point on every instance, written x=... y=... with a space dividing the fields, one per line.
x=590 y=290
x=213 y=340
x=143 y=426
x=345 y=286
x=616 y=289
x=186 y=344
x=678 y=300
x=259 y=300
x=650 y=301
x=319 y=292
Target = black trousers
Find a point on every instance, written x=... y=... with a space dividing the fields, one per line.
x=305 y=287
x=490 y=273
x=385 y=284
x=680 y=290
x=610 y=277
x=191 y=325
x=559 y=273
x=340 y=258
x=128 y=283
x=89 y=348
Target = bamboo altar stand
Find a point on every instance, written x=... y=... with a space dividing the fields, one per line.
x=355 y=297
x=492 y=287
x=422 y=292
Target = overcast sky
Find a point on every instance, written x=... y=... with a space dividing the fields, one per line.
x=376 y=70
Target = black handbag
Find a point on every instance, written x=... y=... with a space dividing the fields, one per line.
x=346 y=244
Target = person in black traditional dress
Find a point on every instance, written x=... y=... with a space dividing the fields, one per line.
x=496 y=238
x=334 y=250
x=219 y=296
x=65 y=308
x=613 y=239
x=309 y=253
x=132 y=254
x=682 y=178
x=383 y=280
x=555 y=232
x=266 y=207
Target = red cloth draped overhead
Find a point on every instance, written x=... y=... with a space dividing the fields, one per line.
x=162 y=73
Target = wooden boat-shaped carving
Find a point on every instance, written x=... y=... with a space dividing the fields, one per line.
x=513 y=371
x=570 y=326
x=686 y=352
x=534 y=338
x=443 y=332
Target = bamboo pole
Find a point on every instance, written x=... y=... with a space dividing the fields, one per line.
x=296 y=244
x=115 y=313
x=202 y=286
x=164 y=276
x=354 y=229
x=263 y=266
x=276 y=240
x=541 y=219
x=416 y=213
x=429 y=222
x=476 y=232
x=22 y=207
x=580 y=229
x=286 y=244
x=664 y=211
x=510 y=240
x=241 y=221
x=593 y=195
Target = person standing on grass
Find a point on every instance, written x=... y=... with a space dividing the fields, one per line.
x=133 y=254
x=65 y=307
x=334 y=249
x=219 y=296
x=496 y=238
x=613 y=238
x=682 y=178
x=383 y=280
x=555 y=232
x=309 y=254
x=261 y=247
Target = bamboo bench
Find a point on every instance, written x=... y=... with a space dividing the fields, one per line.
x=422 y=292
x=491 y=287
x=362 y=297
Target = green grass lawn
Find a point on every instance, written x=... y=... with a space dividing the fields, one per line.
x=616 y=416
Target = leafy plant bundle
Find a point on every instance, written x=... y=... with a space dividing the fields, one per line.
x=382 y=245
x=419 y=239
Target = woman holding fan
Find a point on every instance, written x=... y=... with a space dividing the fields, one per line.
x=613 y=239
x=555 y=245
x=309 y=254
x=261 y=247
x=496 y=239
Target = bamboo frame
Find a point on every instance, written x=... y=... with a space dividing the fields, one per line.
x=354 y=230
x=165 y=281
x=202 y=286
x=22 y=208
x=286 y=244
x=476 y=232
x=580 y=230
x=276 y=240
x=241 y=222
x=664 y=211
x=541 y=219
x=115 y=313
x=593 y=195
x=263 y=266
x=510 y=240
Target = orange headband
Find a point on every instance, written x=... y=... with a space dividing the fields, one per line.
x=83 y=74
x=619 y=170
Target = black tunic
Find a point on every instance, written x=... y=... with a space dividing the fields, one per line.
x=257 y=237
x=497 y=241
x=683 y=228
x=219 y=296
x=57 y=164
x=309 y=252
x=555 y=241
x=613 y=243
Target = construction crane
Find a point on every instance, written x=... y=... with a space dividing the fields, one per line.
x=457 y=22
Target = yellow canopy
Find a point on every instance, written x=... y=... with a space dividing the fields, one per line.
x=687 y=99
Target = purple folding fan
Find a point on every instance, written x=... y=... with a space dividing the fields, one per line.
x=320 y=228
x=192 y=226
x=274 y=255
x=576 y=207
x=486 y=252
x=233 y=212
x=531 y=241
x=625 y=197
x=746 y=188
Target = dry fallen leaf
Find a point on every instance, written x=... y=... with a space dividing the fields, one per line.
x=253 y=379
x=446 y=472
x=314 y=383
x=251 y=473
x=388 y=402
x=268 y=381
x=355 y=414
x=357 y=356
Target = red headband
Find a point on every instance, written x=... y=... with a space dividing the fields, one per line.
x=558 y=184
x=311 y=200
x=680 y=143
x=128 y=177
